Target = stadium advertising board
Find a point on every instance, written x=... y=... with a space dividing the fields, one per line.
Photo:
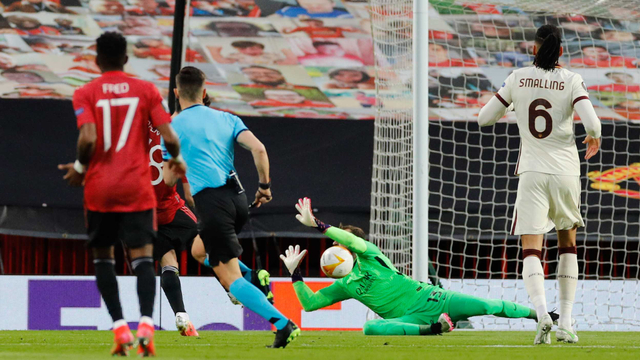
x=73 y=303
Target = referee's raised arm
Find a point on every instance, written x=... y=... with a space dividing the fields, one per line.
x=208 y=139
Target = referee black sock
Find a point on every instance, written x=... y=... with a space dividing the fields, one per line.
x=108 y=286
x=172 y=289
x=143 y=267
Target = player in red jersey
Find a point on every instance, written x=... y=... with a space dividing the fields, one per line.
x=177 y=227
x=113 y=112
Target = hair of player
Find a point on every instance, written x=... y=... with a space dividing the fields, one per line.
x=548 y=39
x=190 y=81
x=244 y=44
x=111 y=49
x=206 y=101
x=336 y=72
x=354 y=230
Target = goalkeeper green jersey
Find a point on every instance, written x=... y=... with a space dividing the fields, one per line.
x=374 y=281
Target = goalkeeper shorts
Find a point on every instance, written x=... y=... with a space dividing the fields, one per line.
x=545 y=201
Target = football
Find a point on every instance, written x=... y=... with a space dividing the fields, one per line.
x=336 y=262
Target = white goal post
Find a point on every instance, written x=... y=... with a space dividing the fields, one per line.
x=443 y=189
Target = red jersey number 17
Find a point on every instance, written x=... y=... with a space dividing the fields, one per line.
x=106 y=104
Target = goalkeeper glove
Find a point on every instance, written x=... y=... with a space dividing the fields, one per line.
x=306 y=217
x=293 y=258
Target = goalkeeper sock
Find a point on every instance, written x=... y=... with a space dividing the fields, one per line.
x=108 y=287
x=567 y=283
x=172 y=288
x=533 y=276
x=255 y=300
x=245 y=270
x=143 y=268
x=394 y=327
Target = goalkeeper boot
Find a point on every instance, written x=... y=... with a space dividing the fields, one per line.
x=261 y=280
x=122 y=340
x=567 y=335
x=146 y=347
x=233 y=299
x=185 y=326
x=447 y=324
x=286 y=335
x=542 y=333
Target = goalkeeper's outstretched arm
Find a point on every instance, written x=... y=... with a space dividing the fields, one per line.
x=310 y=300
x=342 y=237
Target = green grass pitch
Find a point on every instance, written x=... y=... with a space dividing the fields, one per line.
x=316 y=345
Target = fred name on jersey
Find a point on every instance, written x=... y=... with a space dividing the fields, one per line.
x=117 y=89
x=541 y=84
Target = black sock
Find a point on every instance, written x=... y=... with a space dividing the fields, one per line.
x=108 y=286
x=143 y=267
x=172 y=289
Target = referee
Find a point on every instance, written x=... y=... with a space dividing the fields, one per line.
x=208 y=139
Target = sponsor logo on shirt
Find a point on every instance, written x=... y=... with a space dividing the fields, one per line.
x=79 y=111
x=366 y=283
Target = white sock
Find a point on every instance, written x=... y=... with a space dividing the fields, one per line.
x=183 y=315
x=567 y=283
x=119 y=323
x=533 y=276
x=146 y=320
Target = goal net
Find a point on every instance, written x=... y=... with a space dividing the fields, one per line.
x=473 y=47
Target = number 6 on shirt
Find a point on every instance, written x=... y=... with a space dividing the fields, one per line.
x=105 y=104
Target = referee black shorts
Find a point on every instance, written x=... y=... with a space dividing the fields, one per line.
x=223 y=212
x=135 y=229
x=176 y=234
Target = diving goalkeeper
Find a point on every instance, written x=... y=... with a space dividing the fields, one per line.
x=407 y=306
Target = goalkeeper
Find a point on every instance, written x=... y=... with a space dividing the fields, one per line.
x=407 y=306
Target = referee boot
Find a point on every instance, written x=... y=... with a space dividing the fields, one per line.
x=286 y=335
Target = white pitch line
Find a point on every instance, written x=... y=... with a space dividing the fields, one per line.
x=370 y=346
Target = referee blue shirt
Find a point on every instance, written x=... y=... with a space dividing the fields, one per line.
x=207 y=140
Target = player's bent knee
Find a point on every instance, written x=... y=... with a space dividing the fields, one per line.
x=198 y=251
x=145 y=251
x=169 y=259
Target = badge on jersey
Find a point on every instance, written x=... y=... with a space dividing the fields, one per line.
x=504 y=83
x=79 y=111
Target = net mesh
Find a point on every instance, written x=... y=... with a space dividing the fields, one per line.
x=392 y=189
x=473 y=47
